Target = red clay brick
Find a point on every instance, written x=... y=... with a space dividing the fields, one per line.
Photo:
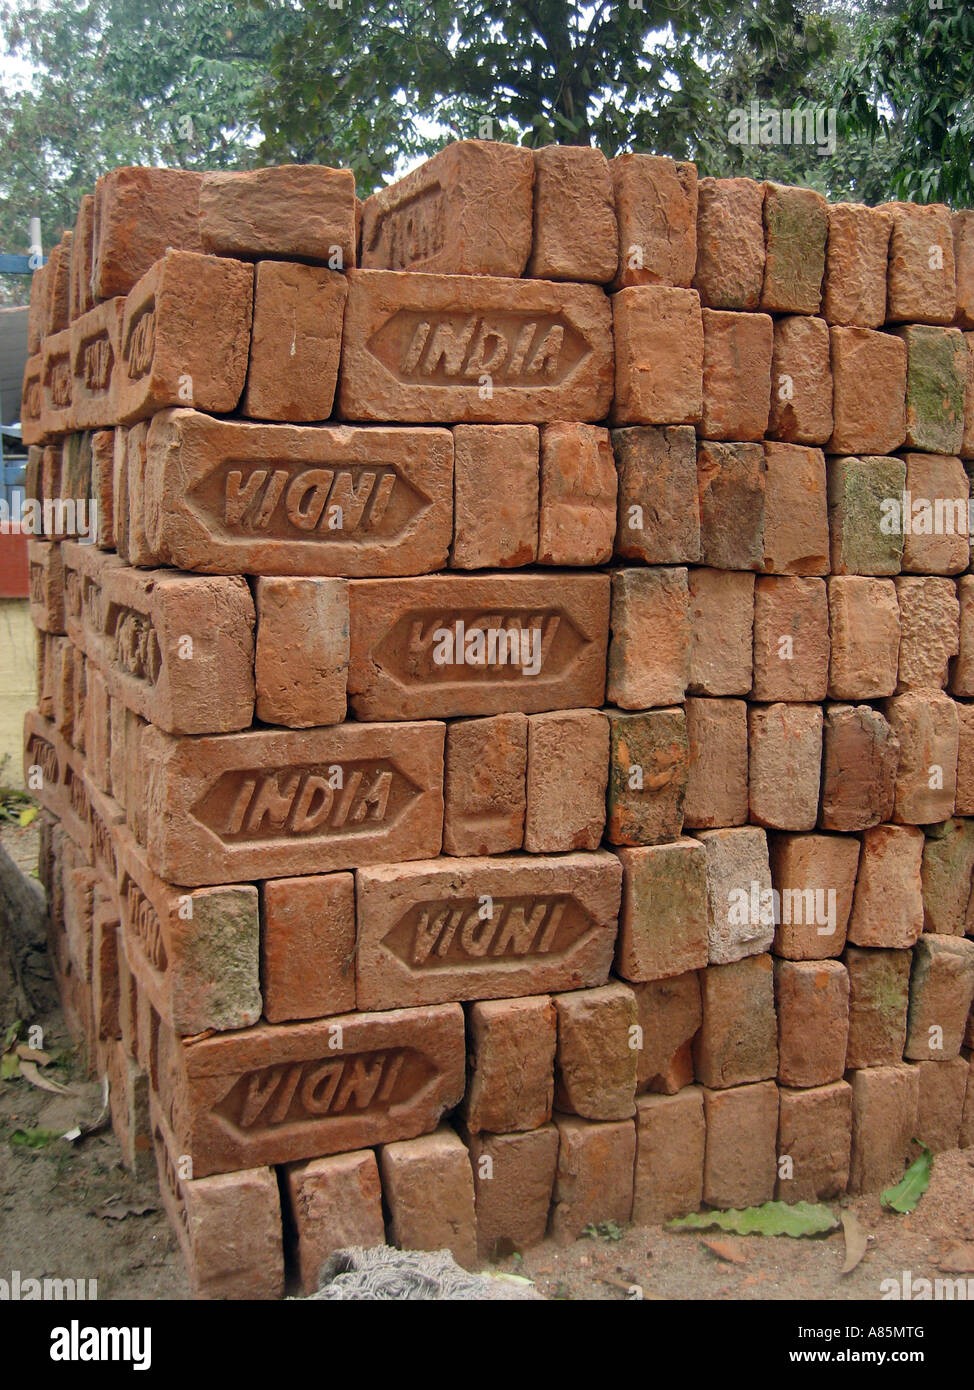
x=485 y=788
x=577 y=505
x=669 y=1014
x=888 y=907
x=823 y=866
x=940 y=1111
x=738 y=1040
x=929 y=631
x=595 y=1064
x=567 y=774
x=730 y=243
x=717 y=786
x=456 y=929
x=879 y=991
x=656 y=207
x=962 y=225
x=307 y=946
x=964 y=800
x=428 y=1187
x=165 y=360
x=663 y=925
x=796 y=528
x=741 y=921
x=936 y=483
x=446 y=348
x=941 y=990
x=575 y=230
x=304 y=211
x=948 y=862
x=82 y=252
x=227 y=497
x=859 y=765
x=32 y=401
x=594 y=1181
x=731 y=488
x=884 y=1111
x=920 y=277
x=869 y=392
x=812 y=1003
x=855 y=265
x=649 y=756
x=925 y=722
x=138 y=216
x=962 y=668
x=784 y=767
x=496 y=490
x=791 y=638
x=864 y=634
x=649 y=655
x=742 y=1131
x=658 y=335
x=737 y=375
x=57 y=386
x=795 y=231
x=721 y=632
x=296 y=342
x=46 y=580
x=301 y=660
x=95 y=342
x=335 y=1202
x=514 y=1175
x=801 y=381
x=658 y=510
x=466 y=211
x=399 y=668
x=267 y=803
x=670 y=1142
x=511 y=1055
x=815 y=1133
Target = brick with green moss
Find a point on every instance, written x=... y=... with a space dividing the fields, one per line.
x=948 y=864
x=795 y=229
x=879 y=994
x=865 y=527
x=649 y=763
x=936 y=380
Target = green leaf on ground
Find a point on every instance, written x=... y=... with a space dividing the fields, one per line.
x=769 y=1219
x=911 y=1187
x=9 y=1066
x=34 y=1138
x=28 y=814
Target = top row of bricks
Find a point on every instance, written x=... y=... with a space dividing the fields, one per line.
x=557 y=213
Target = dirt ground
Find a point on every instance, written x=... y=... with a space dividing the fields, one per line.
x=71 y=1210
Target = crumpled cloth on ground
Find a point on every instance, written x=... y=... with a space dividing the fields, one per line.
x=385 y=1273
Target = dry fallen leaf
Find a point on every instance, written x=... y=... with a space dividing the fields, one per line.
x=33 y=1054
x=856 y=1241
x=29 y=1072
x=727 y=1250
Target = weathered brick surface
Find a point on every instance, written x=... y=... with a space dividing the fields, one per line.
x=730 y=243
x=594 y=1179
x=721 y=628
x=962 y=669
x=731 y=486
x=948 y=863
x=466 y=211
x=795 y=231
x=929 y=631
x=860 y=759
x=578 y=488
x=663 y=924
x=888 y=907
x=477 y=928
x=514 y=1175
x=741 y=921
x=82 y=252
x=815 y=876
x=791 y=638
x=742 y=1131
x=165 y=361
x=936 y=380
x=855 y=265
x=940 y=1111
x=658 y=334
x=815 y=1132
x=884 y=1111
x=32 y=401
x=301 y=658
x=575 y=228
x=864 y=636
x=334 y=1202
x=95 y=342
x=801 y=381
x=737 y=375
x=511 y=1056
x=548 y=647
x=302 y=210
x=920 y=282
x=268 y=804
x=46 y=580
x=277 y=1093
x=796 y=528
x=296 y=341
x=669 y=1014
x=812 y=1003
x=595 y=1063
x=869 y=392
x=738 y=1040
x=925 y=722
x=649 y=655
x=670 y=1142
x=428 y=1187
x=138 y=215
x=962 y=224
x=485 y=791
x=658 y=519
x=227 y=497
x=496 y=488
x=718 y=774
x=656 y=208
x=307 y=946
x=649 y=756
x=567 y=776
x=964 y=800
x=784 y=767
x=444 y=348
x=941 y=990
x=879 y=994
x=56 y=386
x=936 y=540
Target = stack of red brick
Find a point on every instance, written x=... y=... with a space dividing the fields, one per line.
x=506 y=764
